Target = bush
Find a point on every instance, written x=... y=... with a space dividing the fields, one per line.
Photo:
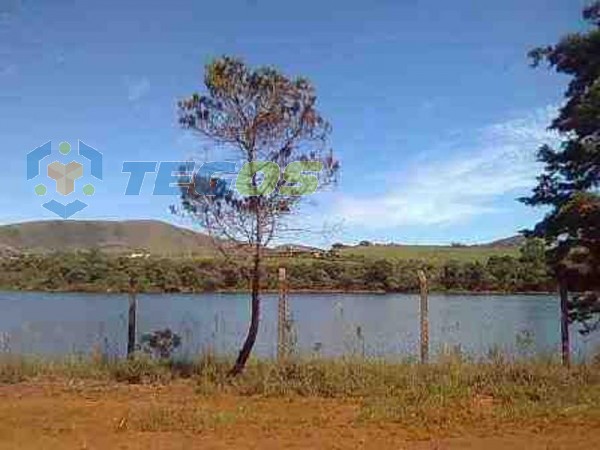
x=161 y=343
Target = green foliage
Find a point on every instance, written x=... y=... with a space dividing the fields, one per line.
x=161 y=343
x=571 y=177
x=95 y=271
x=269 y=120
x=74 y=272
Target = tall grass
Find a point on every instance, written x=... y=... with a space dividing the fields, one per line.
x=440 y=395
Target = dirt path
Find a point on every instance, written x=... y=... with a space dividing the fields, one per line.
x=99 y=416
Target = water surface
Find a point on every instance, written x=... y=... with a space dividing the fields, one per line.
x=328 y=324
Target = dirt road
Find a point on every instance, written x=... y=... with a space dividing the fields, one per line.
x=44 y=415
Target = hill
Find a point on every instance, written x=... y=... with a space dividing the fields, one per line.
x=164 y=239
x=435 y=253
x=157 y=238
x=431 y=253
x=509 y=242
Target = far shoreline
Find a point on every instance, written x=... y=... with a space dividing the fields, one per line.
x=276 y=291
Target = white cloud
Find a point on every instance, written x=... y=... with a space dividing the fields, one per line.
x=491 y=162
x=137 y=89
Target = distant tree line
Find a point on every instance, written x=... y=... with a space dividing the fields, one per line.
x=96 y=271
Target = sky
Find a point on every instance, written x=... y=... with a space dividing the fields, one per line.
x=436 y=113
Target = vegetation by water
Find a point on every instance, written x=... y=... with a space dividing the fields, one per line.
x=96 y=271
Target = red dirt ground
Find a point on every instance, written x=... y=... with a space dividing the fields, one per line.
x=44 y=415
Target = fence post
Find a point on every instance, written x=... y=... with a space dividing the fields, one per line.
x=282 y=317
x=424 y=317
x=131 y=325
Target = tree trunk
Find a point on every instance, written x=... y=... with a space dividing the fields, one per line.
x=564 y=323
x=131 y=325
x=282 y=318
x=244 y=354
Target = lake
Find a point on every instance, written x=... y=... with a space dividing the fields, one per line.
x=327 y=324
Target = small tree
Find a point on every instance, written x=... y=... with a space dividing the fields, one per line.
x=271 y=122
x=534 y=274
x=571 y=177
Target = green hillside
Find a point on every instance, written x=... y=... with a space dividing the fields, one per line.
x=157 y=238
x=182 y=260
x=163 y=239
x=434 y=254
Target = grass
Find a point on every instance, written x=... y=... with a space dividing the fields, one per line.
x=176 y=418
x=433 y=254
x=441 y=396
x=15 y=369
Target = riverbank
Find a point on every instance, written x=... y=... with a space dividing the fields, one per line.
x=94 y=271
x=97 y=290
x=76 y=403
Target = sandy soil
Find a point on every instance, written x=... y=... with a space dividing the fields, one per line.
x=61 y=415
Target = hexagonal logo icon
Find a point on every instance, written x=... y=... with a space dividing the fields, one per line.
x=64 y=176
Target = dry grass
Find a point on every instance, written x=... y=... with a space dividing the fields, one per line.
x=143 y=403
x=440 y=395
x=175 y=418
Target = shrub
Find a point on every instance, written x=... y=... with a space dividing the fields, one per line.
x=161 y=343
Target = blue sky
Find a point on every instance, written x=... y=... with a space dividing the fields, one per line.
x=435 y=111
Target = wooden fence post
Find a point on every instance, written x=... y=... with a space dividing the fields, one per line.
x=131 y=325
x=424 y=317
x=282 y=317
